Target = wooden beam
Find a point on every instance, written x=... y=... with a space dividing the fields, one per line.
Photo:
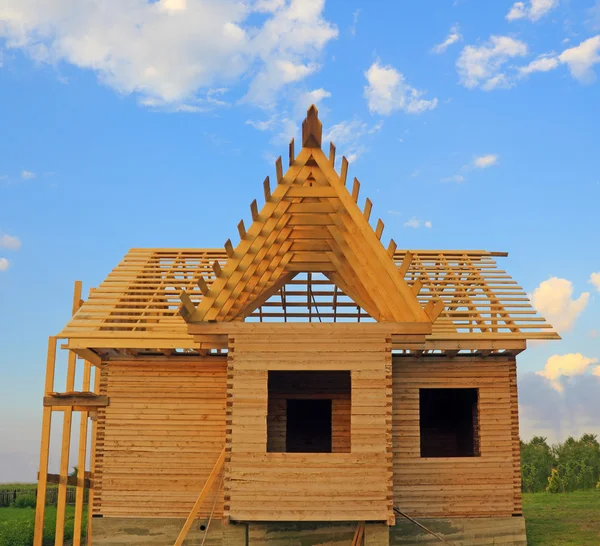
x=355 y=189
x=379 y=229
x=93 y=417
x=187 y=307
x=81 y=399
x=267 y=189
x=89 y=355
x=61 y=503
x=80 y=481
x=358 y=539
x=344 y=170
x=405 y=263
x=38 y=533
x=279 y=170
x=332 y=154
x=71 y=480
x=216 y=268
x=249 y=328
x=229 y=247
x=291 y=151
x=312 y=129
x=254 y=210
x=241 y=229
x=368 y=209
x=392 y=248
x=201 y=497
x=203 y=286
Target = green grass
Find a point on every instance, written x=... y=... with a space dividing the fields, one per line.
x=562 y=519
x=16 y=525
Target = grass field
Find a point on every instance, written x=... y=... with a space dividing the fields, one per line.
x=563 y=519
x=16 y=526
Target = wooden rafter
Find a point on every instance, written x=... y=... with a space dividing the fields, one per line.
x=311 y=206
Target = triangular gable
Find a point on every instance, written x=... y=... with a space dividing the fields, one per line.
x=309 y=223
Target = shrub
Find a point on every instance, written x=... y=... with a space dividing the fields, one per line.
x=24 y=501
x=554 y=482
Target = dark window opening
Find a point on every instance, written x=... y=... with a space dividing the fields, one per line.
x=309 y=412
x=308 y=427
x=449 y=422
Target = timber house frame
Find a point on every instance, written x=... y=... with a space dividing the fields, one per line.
x=308 y=385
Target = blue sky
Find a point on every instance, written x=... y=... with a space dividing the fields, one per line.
x=132 y=123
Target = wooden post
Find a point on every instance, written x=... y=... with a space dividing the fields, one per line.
x=93 y=462
x=61 y=502
x=79 y=492
x=38 y=534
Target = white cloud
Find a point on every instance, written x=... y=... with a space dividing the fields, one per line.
x=454 y=178
x=581 y=58
x=453 y=37
x=388 y=91
x=559 y=366
x=415 y=223
x=543 y=63
x=4 y=264
x=485 y=161
x=553 y=298
x=480 y=66
x=27 y=175
x=10 y=242
x=534 y=10
x=517 y=11
x=304 y=99
x=349 y=137
x=174 y=51
x=354 y=22
x=595 y=280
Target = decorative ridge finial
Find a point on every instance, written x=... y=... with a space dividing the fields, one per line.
x=312 y=129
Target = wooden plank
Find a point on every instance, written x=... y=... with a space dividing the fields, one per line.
x=203 y=494
x=61 y=502
x=81 y=399
x=38 y=534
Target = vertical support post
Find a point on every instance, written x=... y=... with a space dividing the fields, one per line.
x=61 y=503
x=44 y=446
x=79 y=493
x=93 y=461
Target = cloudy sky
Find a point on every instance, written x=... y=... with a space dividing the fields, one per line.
x=130 y=123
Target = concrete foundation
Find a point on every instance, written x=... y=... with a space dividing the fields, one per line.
x=152 y=532
x=163 y=532
x=505 y=531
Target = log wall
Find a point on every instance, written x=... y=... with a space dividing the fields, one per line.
x=262 y=486
x=160 y=436
x=486 y=485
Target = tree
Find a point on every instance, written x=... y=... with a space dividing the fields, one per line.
x=537 y=462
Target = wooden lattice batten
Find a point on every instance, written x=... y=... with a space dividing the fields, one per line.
x=310 y=255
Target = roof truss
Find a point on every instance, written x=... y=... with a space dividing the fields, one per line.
x=309 y=223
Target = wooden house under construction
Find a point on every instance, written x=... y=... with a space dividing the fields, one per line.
x=306 y=386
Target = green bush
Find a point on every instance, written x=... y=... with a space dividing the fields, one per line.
x=24 y=501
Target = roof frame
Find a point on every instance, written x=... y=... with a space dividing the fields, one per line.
x=309 y=223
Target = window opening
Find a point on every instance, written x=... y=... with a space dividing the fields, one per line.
x=449 y=422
